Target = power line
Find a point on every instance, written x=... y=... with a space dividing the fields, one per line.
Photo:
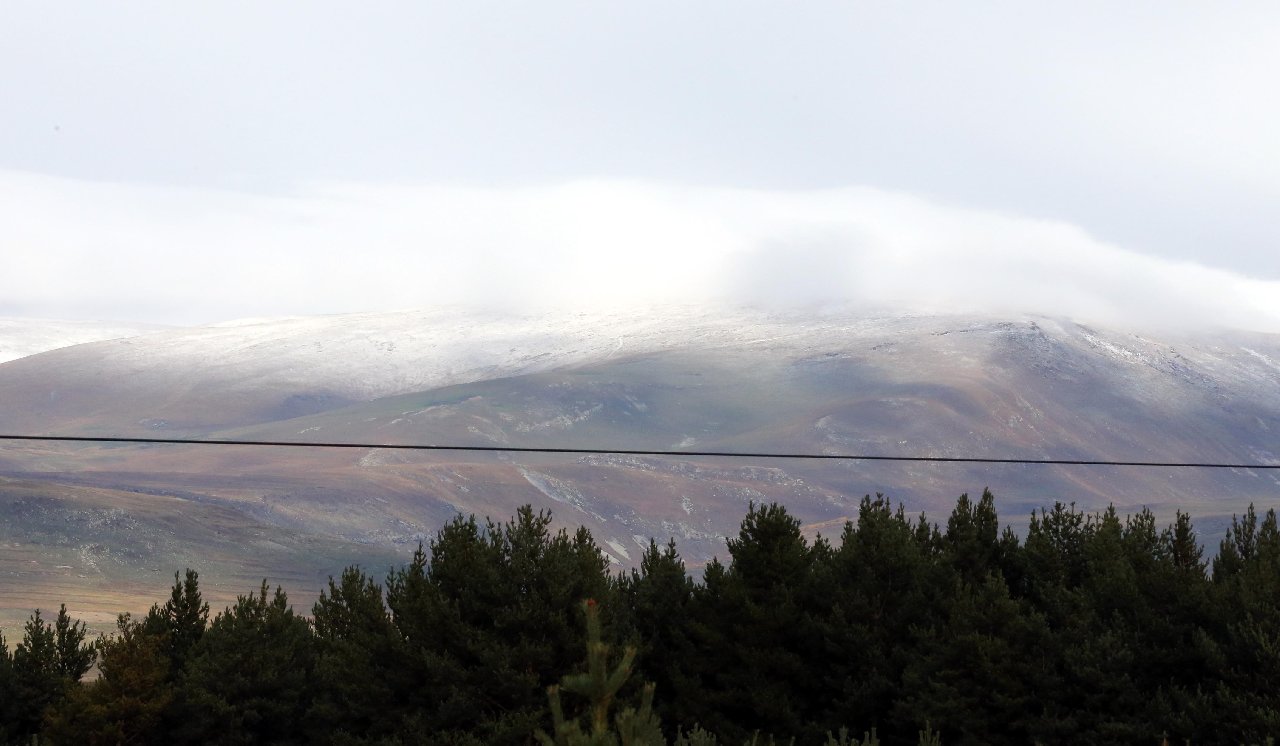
x=638 y=452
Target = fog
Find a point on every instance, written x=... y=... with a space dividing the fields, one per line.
x=186 y=255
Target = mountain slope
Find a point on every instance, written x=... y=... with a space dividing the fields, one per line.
x=23 y=337
x=191 y=381
x=743 y=381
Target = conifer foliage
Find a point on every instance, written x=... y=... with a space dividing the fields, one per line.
x=1093 y=628
x=43 y=667
x=600 y=685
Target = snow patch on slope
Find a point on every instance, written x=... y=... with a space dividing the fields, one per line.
x=560 y=491
x=1264 y=358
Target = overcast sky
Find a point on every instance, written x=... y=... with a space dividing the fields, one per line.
x=183 y=163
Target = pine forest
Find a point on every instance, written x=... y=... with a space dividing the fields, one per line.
x=1088 y=629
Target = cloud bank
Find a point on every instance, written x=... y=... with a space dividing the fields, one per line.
x=77 y=249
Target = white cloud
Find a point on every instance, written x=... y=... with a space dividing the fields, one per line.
x=78 y=249
x=1148 y=124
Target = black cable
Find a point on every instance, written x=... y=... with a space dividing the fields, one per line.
x=639 y=452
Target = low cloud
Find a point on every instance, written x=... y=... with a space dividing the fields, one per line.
x=83 y=249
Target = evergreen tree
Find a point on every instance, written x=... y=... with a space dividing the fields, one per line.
x=1099 y=629
x=1238 y=547
x=758 y=644
x=1246 y=575
x=9 y=712
x=1054 y=558
x=660 y=597
x=1182 y=548
x=249 y=678
x=36 y=681
x=49 y=659
x=181 y=621
x=357 y=668
x=982 y=671
x=971 y=542
x=601 y=685
x=1171 y=622
x=136 y=698
x=74 y=656
x=885 y=582
x=487 y=618
x=129 y=700
x=1100 y=654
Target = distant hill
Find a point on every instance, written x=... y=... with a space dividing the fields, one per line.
x=1034 y=387
x=22 y=337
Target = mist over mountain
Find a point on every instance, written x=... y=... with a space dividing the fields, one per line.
x=21 y=337
x=90 y=516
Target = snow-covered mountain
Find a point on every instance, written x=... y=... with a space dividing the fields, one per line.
x=671 y=378
x=364 y=356
x=20 y=337
x=195 y=380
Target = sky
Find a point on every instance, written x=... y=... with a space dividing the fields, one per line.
x=191 y=163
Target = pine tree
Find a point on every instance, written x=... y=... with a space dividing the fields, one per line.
x=1183 y=658
x=488 y=616
x=137 y=696
x=601 y=685
x=758 y=646
x=1182 y=548
x=9 y=711
x=1055 y=554
x=181 y=621
x=981 y=671
x=75 y=657
x=1246 y=577
x=971 y=542
x=1239 y=547
x=357 y=673
x=885 y=581
x=49 y=659
x=660 y=597
x=130 y=699
x=249 y=678
x=1101 y=653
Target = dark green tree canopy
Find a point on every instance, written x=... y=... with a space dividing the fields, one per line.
x=1096 y=627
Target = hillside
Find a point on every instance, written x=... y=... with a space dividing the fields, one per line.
x=746 y=381
x=23 y=337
